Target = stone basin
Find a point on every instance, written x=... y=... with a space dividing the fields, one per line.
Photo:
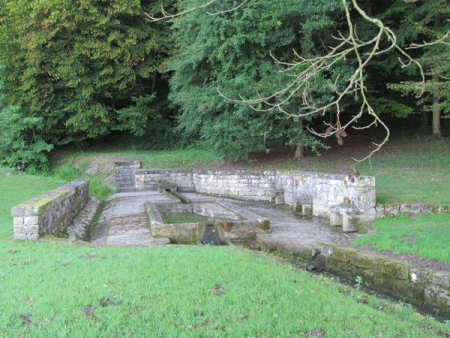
x=229 y=222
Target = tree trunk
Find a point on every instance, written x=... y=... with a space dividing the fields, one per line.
x=152 y=90
x=299 y=147
x=298 y=152
x=436 y=117
x=436 y=109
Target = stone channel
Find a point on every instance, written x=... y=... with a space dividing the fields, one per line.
x=332 y=207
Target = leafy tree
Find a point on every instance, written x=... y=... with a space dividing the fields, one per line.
x=428 y=21
x=227 y=56
x=342 y=68
x=81 y=69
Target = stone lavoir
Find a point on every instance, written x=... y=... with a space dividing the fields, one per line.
x=337 y=199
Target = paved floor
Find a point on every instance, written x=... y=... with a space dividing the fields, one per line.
x=124 y=222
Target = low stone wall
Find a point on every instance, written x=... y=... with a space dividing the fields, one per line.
x=320 y=190
x=50 y=213
x=422 y=287
x=393 y=210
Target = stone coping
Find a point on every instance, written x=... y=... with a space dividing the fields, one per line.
x=39 y=205
x=50 y=213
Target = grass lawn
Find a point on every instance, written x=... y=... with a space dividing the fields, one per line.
x=60 y=289
x=427 y=236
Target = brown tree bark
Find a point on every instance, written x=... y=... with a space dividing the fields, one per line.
x=436 y=109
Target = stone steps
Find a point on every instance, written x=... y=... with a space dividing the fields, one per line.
x=124 y=177
x=80 y=225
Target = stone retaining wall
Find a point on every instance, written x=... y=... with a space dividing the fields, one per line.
x=320 y=190
x=151 y=179
x=393 y=210
x=50 y=213
x=423 y=287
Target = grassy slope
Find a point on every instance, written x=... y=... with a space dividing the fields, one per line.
x=53 y=289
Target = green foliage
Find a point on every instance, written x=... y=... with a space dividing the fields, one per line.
x=21 y=145
x=426 y=21
x=135 y=118
x=392 y=107
x=230 y=53
x=83 y=69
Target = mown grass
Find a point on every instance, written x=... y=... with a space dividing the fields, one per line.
x=194 y=157
x=57 y=289
x=414 y=171
x=97 y=185
x=427 y=236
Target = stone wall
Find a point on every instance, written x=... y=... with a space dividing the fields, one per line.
x=411 y=209
x=244 y=185
x=50 y=213
x=152 y=179
x=424 y=287
x=320 y=190
x=325 y=190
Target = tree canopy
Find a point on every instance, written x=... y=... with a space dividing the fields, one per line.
x=244 y=75
x=74 y=69
x=229 y=55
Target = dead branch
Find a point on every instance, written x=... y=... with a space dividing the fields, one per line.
x=167 y=16
x=436 y=42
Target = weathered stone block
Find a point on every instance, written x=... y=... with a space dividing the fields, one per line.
x=335 y=219
x=349 y=223
x=306 y=209
x=51 y=212
x=279 y=200
x=18 y=221
x=30 y=220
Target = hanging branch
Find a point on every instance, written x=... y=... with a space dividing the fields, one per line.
x=305 y=69
x=165 y=15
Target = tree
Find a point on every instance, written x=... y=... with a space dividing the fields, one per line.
x=343 y=63
x=429 y=21
x=79 y=67
x=228 y=55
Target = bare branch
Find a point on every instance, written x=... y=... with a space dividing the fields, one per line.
x=303 y=71
x=167 y=16
x=436 y=42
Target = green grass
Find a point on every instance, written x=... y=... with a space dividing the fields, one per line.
x=58 y=289
x=427 y=236
x=151 y=159
x=97 y=186
x=184 y=218
x=413 y=172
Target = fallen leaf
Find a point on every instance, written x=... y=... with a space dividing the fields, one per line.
x=315 y=334
x=218 y=290
x=89 y=311
x=25 y=319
